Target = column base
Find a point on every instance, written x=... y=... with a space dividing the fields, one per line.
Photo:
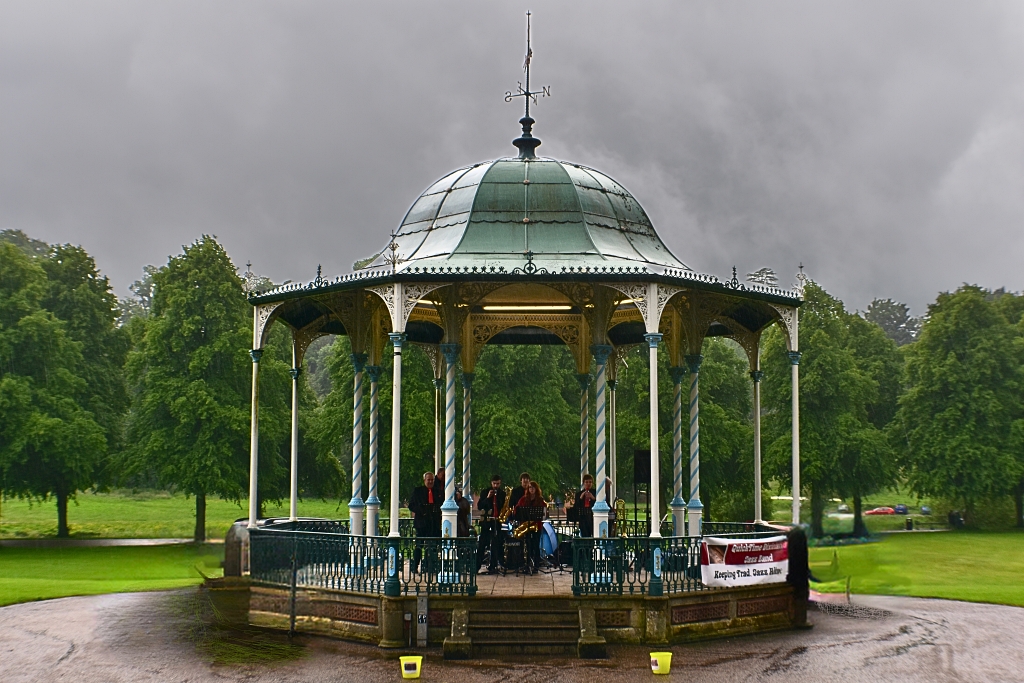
x=695 y=514
x=372 y=518
x=449 y=519
x=679 y=518
x=601 y=522
x=355 y=517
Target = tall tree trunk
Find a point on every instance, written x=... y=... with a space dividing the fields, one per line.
x=1018 y=501
x=200 y=533
x=858 y=519
x=817 y=512
x=62 y=514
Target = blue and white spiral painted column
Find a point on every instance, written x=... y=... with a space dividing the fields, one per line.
x=678 y=502
x=356 y=505
x=602 y=510
x=449 y=509
x=694 y=508
x=372 y=501
x=584 y=380
x=467 y=434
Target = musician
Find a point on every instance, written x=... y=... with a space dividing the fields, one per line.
x=533 y=498
x=425 y=505
x=584 y=507
x=464 y=520
x=519 y=491
x=490 y=506
x=439 y=484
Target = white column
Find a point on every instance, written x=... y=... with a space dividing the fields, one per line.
x=356 y=505
x=467 y=434
x=794 y=360
x=372 y=501
x=293 y=499
x=584 y=380
x=756 y=375
x=449 y=509
x=653 y=339
x=694 y=509
x=602 y=511
x=254 y=437
x=678 y=502
x=397 y=339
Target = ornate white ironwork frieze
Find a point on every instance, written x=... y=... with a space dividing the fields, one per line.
x=263 y=316
x=788 y=316
x=400 y=298
x=649 y=298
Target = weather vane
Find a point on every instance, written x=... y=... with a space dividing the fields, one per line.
x=526 y=93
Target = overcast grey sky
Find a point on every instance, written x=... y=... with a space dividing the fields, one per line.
x=880 y=143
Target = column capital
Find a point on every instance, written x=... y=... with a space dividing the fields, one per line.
x=653 y=339
x=612 y=383
x=439 y=382
x=693 y=362
x=794 y=357
x=584 y=380
x=451 y=352
x=756 y=375
x=256 y=354
x=374 y=371
x=295 y=372
x=358 y=361
x=397 y=339
x=601 y=352
x=678 y=374
x=467 y=379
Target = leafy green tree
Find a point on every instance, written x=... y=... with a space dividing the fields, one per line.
x=895 y=320
x=51 y=444
x=963 y=379
x=841 y=448
x=192 y=378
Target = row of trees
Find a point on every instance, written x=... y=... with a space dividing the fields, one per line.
x=153 y=391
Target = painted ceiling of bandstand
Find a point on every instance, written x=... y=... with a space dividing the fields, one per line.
x=563 y=214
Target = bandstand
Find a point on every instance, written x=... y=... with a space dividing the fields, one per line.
x=521 y=250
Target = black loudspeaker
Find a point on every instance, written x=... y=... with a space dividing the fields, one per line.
x=565 y=553
x=641 y=467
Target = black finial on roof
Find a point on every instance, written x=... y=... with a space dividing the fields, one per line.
x=527 y=143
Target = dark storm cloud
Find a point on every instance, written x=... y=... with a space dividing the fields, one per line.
x=878 y=143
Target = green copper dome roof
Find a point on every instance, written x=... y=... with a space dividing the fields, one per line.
x=563 y=214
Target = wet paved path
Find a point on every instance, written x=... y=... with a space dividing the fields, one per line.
x=145 y=637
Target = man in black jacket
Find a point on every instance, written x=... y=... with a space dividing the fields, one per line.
x=425 y=506
x=520 y=491
x=490 y=505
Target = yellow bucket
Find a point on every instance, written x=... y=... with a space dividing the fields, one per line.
x=411 y=666
x=661 y=662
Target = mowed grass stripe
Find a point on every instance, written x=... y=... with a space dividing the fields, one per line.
x=973 y=566
x=42 y=573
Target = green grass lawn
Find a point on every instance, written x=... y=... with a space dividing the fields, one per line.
x=974 y=566
x=42 y=573
x=144 y=514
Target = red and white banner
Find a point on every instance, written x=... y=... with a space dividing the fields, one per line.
x=743 y=562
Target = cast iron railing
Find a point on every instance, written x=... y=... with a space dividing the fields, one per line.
x=624 y=565
x=357 y=563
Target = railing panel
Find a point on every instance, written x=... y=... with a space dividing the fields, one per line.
x=358 y=563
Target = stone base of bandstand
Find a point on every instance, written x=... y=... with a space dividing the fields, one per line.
x=514 y=616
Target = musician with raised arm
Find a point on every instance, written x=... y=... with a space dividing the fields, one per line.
x=490 y=506
x=533 y=502
x=584 y=507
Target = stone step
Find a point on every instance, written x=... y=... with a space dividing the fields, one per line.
x=482 y=649
x=531 y=617
x=525 y=634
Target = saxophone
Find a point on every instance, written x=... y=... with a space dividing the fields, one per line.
x=506 y=509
